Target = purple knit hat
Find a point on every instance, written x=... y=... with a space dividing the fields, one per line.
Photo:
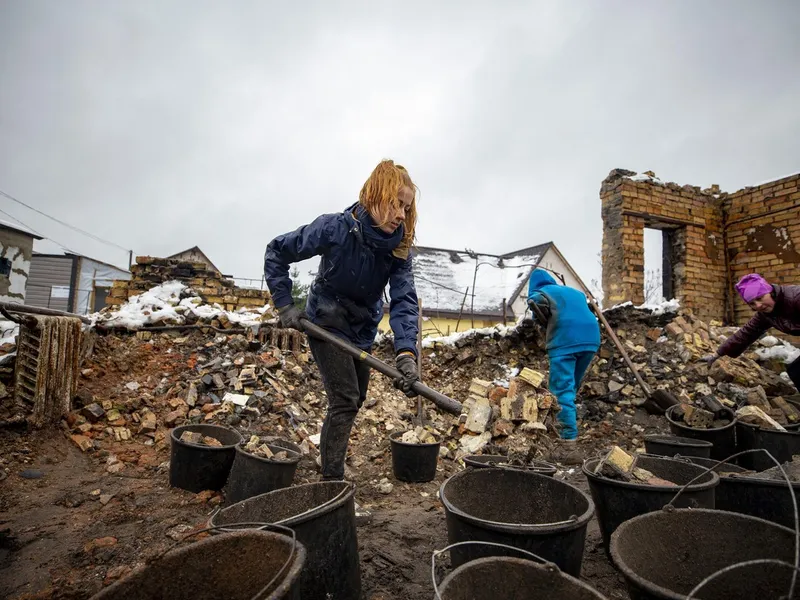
x=752 y=286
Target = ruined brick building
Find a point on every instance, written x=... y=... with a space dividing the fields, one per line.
x=710 y=240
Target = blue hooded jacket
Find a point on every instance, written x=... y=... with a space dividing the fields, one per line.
x=571 y=326
x=357 y=263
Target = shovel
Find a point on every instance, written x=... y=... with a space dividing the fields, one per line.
x=440 y=400
x=657 y=402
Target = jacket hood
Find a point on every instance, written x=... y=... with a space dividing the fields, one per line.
x=539 y=279
x=369 y=231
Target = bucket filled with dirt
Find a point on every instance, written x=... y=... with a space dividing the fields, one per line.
x=260 y=467
x=624 y=486
x=516 y=508
x=762 y=494
x=242 y=565
x=664 y=554
x=698 y=423
x=483 y=461
x=672 y=445
x=322 y=516
x=415 y=454
x=201 y=456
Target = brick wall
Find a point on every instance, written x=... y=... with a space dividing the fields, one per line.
x=150 y=271
x=760 y=227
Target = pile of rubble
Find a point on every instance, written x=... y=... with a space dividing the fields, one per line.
x=208 y=284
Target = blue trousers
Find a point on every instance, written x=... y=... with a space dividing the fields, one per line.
x=566 y=374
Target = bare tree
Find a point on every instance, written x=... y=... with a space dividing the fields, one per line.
x=653 y=287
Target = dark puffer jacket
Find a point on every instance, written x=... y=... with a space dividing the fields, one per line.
x=784 y=317
x=357 y=263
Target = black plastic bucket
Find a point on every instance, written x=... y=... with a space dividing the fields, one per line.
x=663 y=555
x=526 y=510
x=512 y=579
x=780 y=444
x=670 y=445
x=196 y=468
x=482 y=461
x=253 y=475
x=234 y=566
x=322 y=516
x=768 y=499
x=723 y=438
x=618 y=501
x=414 y=463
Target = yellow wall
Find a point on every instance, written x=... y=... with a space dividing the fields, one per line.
x=441 y=326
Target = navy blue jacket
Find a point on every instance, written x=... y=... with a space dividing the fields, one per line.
x=357 y=263
x=571 y=326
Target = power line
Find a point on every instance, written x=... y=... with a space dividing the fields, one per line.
x=32 y=229
x=78 y=229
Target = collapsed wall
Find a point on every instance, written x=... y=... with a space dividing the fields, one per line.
x=710 y=239
x=212 y=287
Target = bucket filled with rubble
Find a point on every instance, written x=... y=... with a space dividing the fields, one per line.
x=512 y=579
x=322 y=516
x=525 y=510
x=415 y=454
x=718 y=427
x=202 y=456
x=483 y=461
x=242 y=565
x=762 y=494
x=672 y=445
x=261 y=465
x=624 y=486
x=762 y=431
x=663 y=555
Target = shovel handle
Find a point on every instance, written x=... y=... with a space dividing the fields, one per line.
x=440 y=400
x=621 y=348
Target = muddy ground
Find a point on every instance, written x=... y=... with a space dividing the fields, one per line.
x=78 y=527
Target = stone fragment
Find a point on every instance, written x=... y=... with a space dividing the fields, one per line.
x=479 y=416
x=83 y=442
x=755 y=416
x=93 y=412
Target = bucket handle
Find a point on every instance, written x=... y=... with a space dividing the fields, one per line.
x=259 y=526
x=437 y=553
x=733 y=567
x=796 y=566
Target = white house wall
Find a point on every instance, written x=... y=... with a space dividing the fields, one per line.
x=16 y=247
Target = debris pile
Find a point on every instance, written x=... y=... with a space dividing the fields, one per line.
x=173 y=303
x=193 y=437
x=260 y=448
x=791 y=468
x=207 y=283
x=621 y=466
x=419 y=435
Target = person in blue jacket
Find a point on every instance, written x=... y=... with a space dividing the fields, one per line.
x=573 y=338
x=362 y=249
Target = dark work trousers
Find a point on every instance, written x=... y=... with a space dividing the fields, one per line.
x=345 y=379
x=793 y=371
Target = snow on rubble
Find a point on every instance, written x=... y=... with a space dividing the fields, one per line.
x=173 y=303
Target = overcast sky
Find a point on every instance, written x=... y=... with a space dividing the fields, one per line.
x=162 y=125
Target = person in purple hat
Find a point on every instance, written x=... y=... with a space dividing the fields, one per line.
x=776 y=306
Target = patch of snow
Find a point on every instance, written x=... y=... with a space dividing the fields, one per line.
x=623 y=305
x=785 y=352
x=768 y=341
x=668 y=306
x=510 y=373
x=168 y=303
x=450 y=340
x=645 y=177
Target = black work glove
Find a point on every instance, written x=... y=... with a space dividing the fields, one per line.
x=290 y=317
x=710 y=359
x=407 y=365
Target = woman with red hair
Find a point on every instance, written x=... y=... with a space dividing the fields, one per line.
x=362 y=248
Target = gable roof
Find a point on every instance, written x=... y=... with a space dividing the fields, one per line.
x=19 y=228
x=203 y=254
x=442 y=278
